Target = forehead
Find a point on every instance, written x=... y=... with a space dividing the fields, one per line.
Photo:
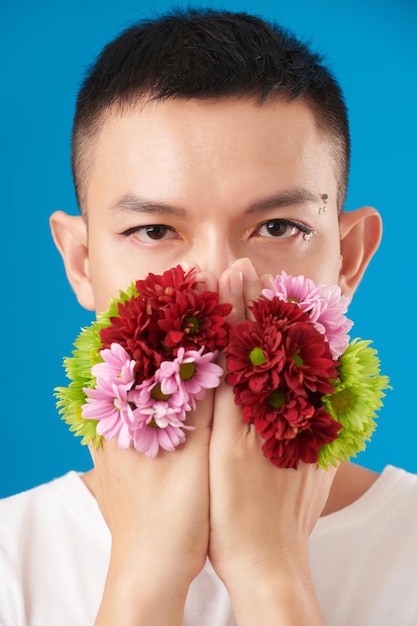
x=182 y=150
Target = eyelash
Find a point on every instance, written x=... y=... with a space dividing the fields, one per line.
x=136 y=229
x=301 y=228
x=279 y=222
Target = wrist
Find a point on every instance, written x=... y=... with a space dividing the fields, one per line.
x=142 y=595
x=275 y=592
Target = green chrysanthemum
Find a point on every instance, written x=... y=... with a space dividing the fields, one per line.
x=78 y=369
x=357 y=398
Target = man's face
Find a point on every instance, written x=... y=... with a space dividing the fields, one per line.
x=210 y=182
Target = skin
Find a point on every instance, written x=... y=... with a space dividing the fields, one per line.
x=210 y=179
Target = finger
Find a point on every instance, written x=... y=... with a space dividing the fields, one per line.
x=267 y=281
x=206 y=280
x=251 y=285
x=231 y=291
x=228 y=424
x=189 y=265
x=201 y=417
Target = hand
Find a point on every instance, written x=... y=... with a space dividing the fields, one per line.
x=260 y=516
x=157 y=510
x=157 y=513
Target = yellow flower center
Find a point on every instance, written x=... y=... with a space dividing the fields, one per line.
x=257 y=356
x=277 y=398
x=187 y=371
x=297 y=360
x=157 y=393
x=192 y=325
x=343 y=400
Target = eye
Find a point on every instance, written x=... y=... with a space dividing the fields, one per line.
x=282 y=229
x=151 y=232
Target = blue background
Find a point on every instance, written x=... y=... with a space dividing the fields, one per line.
x=46 y=47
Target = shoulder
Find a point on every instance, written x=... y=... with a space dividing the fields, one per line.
x=360 y=488
x=53 y=505
x=30 y=499
x=55 y=523
x=367 y=547
x=353 y=482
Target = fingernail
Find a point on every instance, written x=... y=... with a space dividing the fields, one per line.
x=244 y=265
x=249 y=272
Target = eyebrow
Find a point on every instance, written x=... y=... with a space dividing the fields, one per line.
x=297 y=196
x=130 y=203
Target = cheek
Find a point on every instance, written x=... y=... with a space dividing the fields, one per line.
x=113 y=267
x=324 y=266
x=107 y=277
x=314 y=259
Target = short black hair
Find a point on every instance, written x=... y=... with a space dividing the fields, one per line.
x=204 y=53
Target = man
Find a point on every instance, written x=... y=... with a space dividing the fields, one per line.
x=210 y=139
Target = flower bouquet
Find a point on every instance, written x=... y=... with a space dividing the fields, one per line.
x=310 y=393
x=142 y=365
x=140 y=368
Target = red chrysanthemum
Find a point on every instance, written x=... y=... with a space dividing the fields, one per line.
x=256 y=351
x=280 y=365
x=168 y=312
x=195 y=319
x=281 y=414
x=277 y=312
x=309 y=364
x=139 y=335
x=159 y=291
x=287 y=452
x=254 y=356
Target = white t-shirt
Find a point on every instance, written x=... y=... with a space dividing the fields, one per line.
x=54 y=550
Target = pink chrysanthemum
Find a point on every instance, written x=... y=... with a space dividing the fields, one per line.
x=108 y=402
x=111 y=409
x=147 y=437
x=158 y=419
x=117 y=367
x=325 y=305
x=190 y=374
x=149 y=392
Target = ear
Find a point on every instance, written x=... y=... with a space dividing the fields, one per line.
x=360 y=235
x=69 y=233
